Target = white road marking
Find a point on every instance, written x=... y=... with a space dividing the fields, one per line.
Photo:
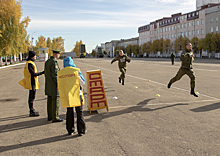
x=157 y=104
x=12 y=65
x=150 y=81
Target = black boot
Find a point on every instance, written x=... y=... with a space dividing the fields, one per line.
x=34 y=113
x=119 y=80
x=193 y=93
x=123 y=82
x=169 y=85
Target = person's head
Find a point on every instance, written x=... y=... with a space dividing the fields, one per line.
x=121 y=53
x=56 y=53
x=32 y=55
x=189 y=46
x=68 y=62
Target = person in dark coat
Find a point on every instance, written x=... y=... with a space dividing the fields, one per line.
x=51 y=68
x=32 y=68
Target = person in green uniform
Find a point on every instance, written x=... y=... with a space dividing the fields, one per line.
x=187 y=58
x=51 y=68
x=122 y=60
x=172 y=58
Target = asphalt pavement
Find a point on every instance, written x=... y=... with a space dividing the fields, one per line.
x=146 y=119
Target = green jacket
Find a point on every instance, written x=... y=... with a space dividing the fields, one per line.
x=51 y=68
x=121 y=61
x=186 y=59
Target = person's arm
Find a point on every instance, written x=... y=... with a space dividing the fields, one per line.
x=128 y=59
x=31 y=70
x=115 y=59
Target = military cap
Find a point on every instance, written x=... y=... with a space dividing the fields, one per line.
x=56 y=51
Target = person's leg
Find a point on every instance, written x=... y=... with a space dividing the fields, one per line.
x=55 y=108
x=192 y=77
x=49 y=108
x=81 y=126
x=70 y=120
x=122 y=76
x=178 y=76
x=31 y=98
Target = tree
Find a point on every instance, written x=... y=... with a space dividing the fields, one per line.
x=58 y=43
x=93 y=53
x=128 y=49
x=77 y=47
x=178 y=44
x=156 y=46
x=135 y=49
x=13 y=29
x=201 y=45
x=215 y=42
x=167 y=46
x=195 y=44
x=104 y=52
x=49 y=45
x=208 y=42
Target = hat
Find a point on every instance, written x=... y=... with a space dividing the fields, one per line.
x=31 y=54
x=56 y=51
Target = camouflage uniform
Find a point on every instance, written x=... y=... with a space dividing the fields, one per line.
x=186 y=68
x=122 y=60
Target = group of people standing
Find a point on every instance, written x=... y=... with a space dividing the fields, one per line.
x=51 y=69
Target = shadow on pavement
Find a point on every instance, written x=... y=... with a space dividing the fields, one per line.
x=9 y=100
x=138 y=107
x=207 y=108
x=40 y=99
x=26 y=124
x=38 y=142
x=14 y=117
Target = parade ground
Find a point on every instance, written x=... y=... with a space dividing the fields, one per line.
x=145 y=118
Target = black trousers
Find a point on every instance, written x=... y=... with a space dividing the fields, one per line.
x=81 y=126
x=31 y=98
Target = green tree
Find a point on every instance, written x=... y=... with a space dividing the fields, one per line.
x=195 y=44
x=49 y=45
x=135 y=49
x=167 y=46
x=93 y=53
x=156 y=46
x=77 y=47
x=58 y=43
x=128 y=49
x=208 y=42
x=215 y=42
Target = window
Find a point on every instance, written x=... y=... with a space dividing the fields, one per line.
x=197 y=32
x=185 y=25
x=216 y=19
x=193 y=32
x=166 y=29
x=171 y=20
x=168 y=35
x=181 y=17
x=197 y=13
x=171 y=28
x=185 y=16
x=193 y=14
x=175 y=35
x=211 y=20
x=202 y=12
x=189 y=24
x=165 y=36
x=197 y=22
x=217 y=29
x=189 y=33
x=186 y=34
x=211 y=29
x=201 y=31
x=189 y=15
x=201 y=21
x=181 y=25
x=174 y=27
x=193 y=23
x=171 y=35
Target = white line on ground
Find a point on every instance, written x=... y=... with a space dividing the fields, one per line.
x=12 y=65
x=157 y=104
x=150 y=81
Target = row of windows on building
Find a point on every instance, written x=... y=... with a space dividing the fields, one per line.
x=184 y=34
x=181 y=26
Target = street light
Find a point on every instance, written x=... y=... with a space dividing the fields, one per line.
x=32 y=40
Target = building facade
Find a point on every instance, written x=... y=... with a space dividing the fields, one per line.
x=193 y=24
x=200 y=3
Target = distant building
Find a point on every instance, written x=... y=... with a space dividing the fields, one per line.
x=200 y=3
x=71 y=54
x=192 y=24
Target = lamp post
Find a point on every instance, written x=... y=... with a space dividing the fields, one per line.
x=32 y=38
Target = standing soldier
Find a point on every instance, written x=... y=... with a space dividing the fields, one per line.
x=122 y=59
x=51 y=68
x=187 y=58
x=172 y=58
x=30 y=81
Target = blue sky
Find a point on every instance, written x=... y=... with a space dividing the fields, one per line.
x=96 y=21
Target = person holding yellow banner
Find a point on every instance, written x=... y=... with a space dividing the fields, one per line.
x=30 y=81
x=70 y=81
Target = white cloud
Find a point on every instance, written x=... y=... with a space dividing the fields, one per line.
x=166 y=1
